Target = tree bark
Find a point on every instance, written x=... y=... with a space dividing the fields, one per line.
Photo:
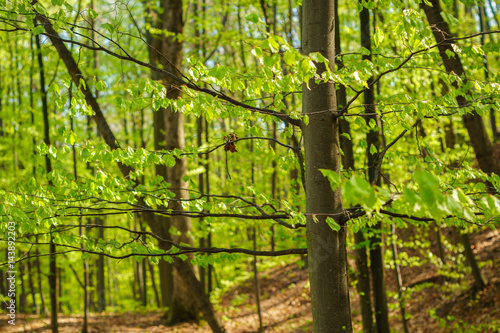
x=399 y=279
x=169 y=19
x=484 y=24
x=373 y=139
x=153 y=283
x=48 y=167
x=479 y=281
x=326 y=248
x=100 y=273
x=363 y=272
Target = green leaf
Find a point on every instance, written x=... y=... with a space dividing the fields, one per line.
x=169 y=160
x=109 y=27
x=273 y=44
x=379 y=36
x=346 y=135
x=253 y=17
x=364 y=51
x=334 y=225
x=358 y=191
x=257 y=52
x=92 y=13
x=219 y=72
x=289 y=58
x=306 y=65
x=333 y=178
x=100 y=85
x=72 y=138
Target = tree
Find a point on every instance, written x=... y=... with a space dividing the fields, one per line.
x=326 y=248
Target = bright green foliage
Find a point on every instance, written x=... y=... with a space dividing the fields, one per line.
x=238 y=58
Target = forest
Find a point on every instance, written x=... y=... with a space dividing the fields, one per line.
x=249 y=166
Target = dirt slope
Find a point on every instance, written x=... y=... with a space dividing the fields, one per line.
x=286 y=305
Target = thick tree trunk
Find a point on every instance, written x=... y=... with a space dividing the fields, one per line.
x=182 y=306
x=326 y=248
x=183 y=268
x=165 y=270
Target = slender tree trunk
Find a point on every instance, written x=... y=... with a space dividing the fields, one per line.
x=439 y=241
x=144 y=274
x=495 y=13
x=256 y=280
x=363 y=272
x=399 y=280
x=207 y=182
x=22 y=294
x=48 y=167
x=484 y=24
x=326 y=248
x=86 y=296
x=201 y=187
x=44 y=309
x=100 y=272
x=34 y=307
x=153 y=282
x=479 y=281
x=373 y=141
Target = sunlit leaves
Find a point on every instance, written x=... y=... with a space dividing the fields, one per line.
x=379 y=36
x=332 y=224
x=358 y=191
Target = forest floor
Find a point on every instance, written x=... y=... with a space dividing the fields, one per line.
x=436 y=304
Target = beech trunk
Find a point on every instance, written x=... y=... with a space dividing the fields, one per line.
x=326 y=247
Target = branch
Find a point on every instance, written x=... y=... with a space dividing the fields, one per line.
x=408 y=58
x=183 y=250
x=53 y=35
x=382 y=154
